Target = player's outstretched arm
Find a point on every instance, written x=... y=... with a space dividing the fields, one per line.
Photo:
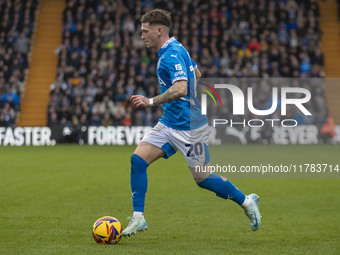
x=177 y=90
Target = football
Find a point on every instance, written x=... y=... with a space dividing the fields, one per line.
x=107 y=230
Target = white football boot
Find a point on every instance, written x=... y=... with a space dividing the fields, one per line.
x=136 y=224
x=253 y=212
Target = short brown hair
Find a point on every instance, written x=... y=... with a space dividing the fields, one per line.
x=157 y=17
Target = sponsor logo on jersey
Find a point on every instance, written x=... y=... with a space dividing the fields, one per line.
x=178 y=67
x=179 y=73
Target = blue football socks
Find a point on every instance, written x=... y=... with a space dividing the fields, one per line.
x=214 y=182
x=139 y=182
x=222 y=188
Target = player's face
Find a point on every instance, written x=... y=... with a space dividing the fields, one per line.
x=150 y=35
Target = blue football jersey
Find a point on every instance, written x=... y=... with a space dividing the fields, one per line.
x=174 y=64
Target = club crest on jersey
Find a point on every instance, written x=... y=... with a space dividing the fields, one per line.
x=178 y=67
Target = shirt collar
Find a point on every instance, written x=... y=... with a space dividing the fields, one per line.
x=167 y=43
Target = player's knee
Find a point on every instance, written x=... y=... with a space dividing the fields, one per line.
x=203 y=182
x=133 y=159
x=199 y=180
x=198 y=174
x=137 y=162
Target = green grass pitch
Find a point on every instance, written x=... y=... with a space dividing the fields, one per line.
x=51 y=196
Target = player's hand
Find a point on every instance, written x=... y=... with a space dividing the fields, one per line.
x=139 y=101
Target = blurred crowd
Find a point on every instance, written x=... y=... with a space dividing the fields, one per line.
x=103 y=61
x=16 y=28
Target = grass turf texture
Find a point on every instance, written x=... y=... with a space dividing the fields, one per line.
x=51 y=196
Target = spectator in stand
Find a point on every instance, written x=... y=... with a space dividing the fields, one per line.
x=127 y=121
x=16 y=27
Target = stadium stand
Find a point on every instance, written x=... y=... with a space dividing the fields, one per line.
x=330 y=27
x=102 y=53
x=102 y=60
x=43 y=63
x=16 y=29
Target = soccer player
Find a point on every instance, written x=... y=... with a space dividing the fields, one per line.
x=182 y=126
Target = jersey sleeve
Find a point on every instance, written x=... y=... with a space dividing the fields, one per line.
x=174 y=65
x=193 y=63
